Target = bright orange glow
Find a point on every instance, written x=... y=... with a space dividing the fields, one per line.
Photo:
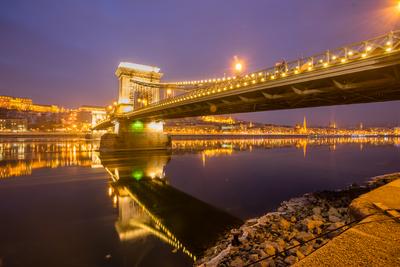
x=238 y=67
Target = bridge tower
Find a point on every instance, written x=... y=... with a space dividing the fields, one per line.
x=131 y=94
x=138 y=87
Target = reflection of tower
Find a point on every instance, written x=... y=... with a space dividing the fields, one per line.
x=150 y=207
x=304 y=148
x=203 y=158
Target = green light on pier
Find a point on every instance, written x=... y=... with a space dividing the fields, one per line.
x=137 y=126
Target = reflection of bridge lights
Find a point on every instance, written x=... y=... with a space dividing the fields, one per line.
x=137 y=175
x=115 y=201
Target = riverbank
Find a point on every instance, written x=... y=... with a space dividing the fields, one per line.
x=299 y=227
x=47 y=135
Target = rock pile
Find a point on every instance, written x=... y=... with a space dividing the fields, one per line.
x=282 y=238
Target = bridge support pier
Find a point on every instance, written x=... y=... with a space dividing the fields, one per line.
x=136 y=135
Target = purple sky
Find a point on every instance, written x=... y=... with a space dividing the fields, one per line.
x=66 y=52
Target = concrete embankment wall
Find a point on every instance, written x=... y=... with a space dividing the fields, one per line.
x=374 y=241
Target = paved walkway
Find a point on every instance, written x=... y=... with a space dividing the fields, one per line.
x=375 y=241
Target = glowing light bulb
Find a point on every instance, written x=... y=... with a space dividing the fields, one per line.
x=238 y=67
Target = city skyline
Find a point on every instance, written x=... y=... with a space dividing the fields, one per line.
x=81 y=54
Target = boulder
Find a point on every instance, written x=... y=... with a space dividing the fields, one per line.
x=334 y=219
x=270 y=249
x=299 y=255
x=316 y=210
x=291 y=260
x=304 y=236
x=333 y=212
x=306 y=249
x=311 y=224
x=284 y=224
x=253 y=257
x=237 y=262
x=262 y=264
x=334 y=226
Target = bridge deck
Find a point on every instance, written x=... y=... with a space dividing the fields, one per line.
x=358 y=73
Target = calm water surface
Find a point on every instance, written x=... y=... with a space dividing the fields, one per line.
x=64 y=204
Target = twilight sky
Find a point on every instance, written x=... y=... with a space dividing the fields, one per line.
x=66 y=52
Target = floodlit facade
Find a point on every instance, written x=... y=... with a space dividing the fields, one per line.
x=132 y=94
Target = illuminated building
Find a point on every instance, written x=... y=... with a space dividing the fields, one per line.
x=25 y=104
x=226 y=120
x=13 y=125
x=303 y=129
x=18 y=103
x=91 y=114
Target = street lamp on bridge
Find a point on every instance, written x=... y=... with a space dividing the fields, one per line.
x=238 y=66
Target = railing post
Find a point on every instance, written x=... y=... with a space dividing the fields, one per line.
x=328 y=56
x=390 y=37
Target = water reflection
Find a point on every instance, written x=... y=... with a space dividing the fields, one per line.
x=250 y=143
x=22 y=157
x=209 y=148
x=168 y=200
x=148 y=205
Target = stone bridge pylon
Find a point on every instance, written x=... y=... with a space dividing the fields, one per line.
x=137 y=88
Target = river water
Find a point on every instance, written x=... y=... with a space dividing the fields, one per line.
x=62 y=203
